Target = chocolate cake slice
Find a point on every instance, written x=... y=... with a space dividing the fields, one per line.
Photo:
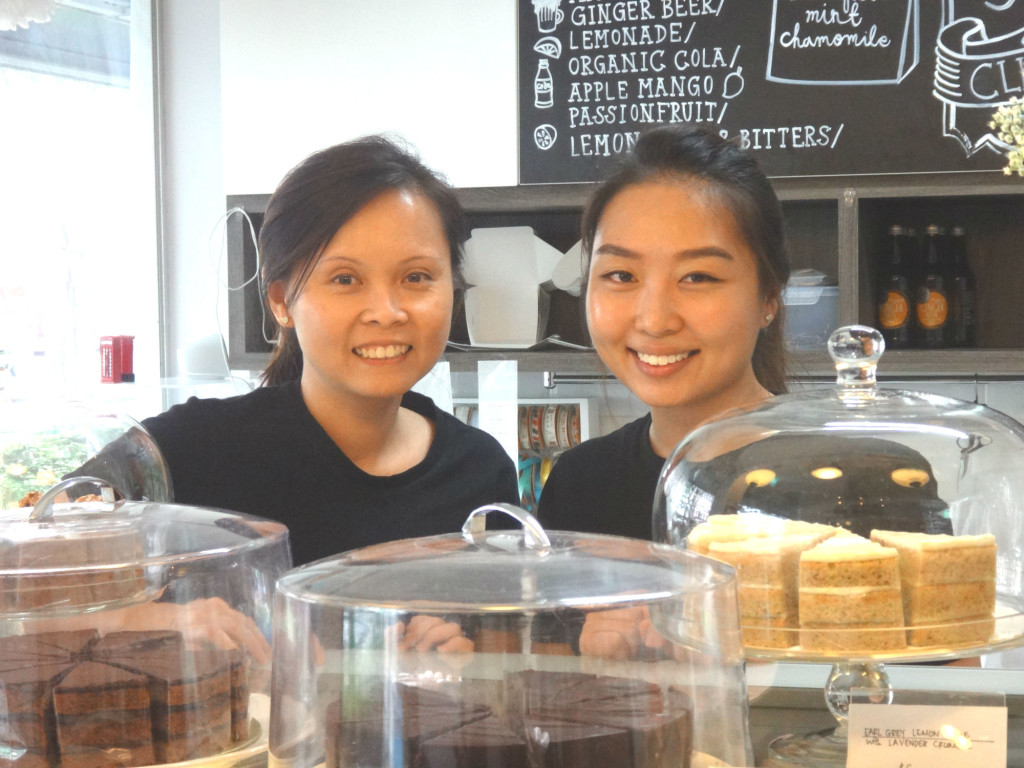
x=561 y=745
x=76 y=642
x=23 y=646
x=535 y=719
x=134 y=642
x=403 y=716
x=28 y=723
x=487 y=742
x=190 y=701
x=75 y=700
x=530 y=689
x=239 y=696
x=103 y=718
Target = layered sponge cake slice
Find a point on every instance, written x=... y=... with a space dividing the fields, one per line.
x=850 y=597
x=948 y=586
x=767 y=575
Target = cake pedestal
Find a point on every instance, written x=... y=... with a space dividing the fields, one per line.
x=863 y=679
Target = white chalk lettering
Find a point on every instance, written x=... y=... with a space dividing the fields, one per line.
x=602 y=144
x=601 y=90
x=869 y=38
x=674 y=86
x=699 y=58
x=683 y=8
x=626 y=37
x=607 y=13
x=787 y=137
x=630 y=62
x=698 y=111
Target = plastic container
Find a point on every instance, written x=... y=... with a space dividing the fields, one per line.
x=511 y=671
x=812 y=313
x=134 y=633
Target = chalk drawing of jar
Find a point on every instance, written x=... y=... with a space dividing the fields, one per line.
x=836 y=42
x=543 y=86
x=549 y=15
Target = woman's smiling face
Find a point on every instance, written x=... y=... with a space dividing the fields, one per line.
x=374 y=315
x=674 y=304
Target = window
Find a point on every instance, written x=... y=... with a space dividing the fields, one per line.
x=78 y=247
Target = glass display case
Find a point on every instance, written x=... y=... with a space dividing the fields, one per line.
x=509 y=648
x=134 y=633
x=865 y=525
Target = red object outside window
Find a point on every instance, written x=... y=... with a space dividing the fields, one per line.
x=116 y=359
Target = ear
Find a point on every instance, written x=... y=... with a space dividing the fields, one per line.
x=771 y=307
x=275 y=298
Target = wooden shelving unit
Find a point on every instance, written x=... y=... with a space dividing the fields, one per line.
x=835 y=225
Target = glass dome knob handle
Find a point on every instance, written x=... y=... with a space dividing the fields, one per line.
x=42 y=510
x=855 y=350
x=534 y=535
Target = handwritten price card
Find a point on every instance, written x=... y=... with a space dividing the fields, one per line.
x=915 y=736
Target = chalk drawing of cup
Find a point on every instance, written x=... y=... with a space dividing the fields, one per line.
x=549 y=15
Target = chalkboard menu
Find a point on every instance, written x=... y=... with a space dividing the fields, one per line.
x=812 y=87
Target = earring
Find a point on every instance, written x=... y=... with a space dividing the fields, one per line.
x=283 y=319
x=769 y=317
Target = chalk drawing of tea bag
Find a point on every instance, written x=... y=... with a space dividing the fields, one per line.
x=837 y=42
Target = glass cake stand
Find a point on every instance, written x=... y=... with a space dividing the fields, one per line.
x=863 y=677
x=863 y=458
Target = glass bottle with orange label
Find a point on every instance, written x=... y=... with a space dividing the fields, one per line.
x=932 y=300
x=895 y=290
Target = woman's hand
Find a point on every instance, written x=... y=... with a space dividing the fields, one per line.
x=620 y=633
x=209 y=618
x=425 y=633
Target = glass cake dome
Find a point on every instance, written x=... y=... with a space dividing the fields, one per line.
x=44 y=440
x=861 y=521
x=506 y=648
x=133 y=633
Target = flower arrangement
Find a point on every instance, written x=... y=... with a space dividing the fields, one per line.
x=1008 y=122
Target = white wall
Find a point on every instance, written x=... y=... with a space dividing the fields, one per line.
x=250 y=87
x=300 y=76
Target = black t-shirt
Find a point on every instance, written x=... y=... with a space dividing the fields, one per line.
x=264 y=454
x=605 y=485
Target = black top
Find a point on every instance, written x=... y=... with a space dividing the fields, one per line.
x=605 y=485
x=264 y=454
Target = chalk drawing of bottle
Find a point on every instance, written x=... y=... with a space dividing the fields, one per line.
x=543 y=86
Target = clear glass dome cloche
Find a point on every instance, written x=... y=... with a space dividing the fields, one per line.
x=509 y=647
x=861 y=521
x=134 y=633
x=43 y=441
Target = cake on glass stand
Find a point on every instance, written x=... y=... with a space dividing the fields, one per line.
x=133 y=631
x=866 y=525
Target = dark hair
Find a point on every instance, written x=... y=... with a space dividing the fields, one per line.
x=318 y=196
x=698 y=153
